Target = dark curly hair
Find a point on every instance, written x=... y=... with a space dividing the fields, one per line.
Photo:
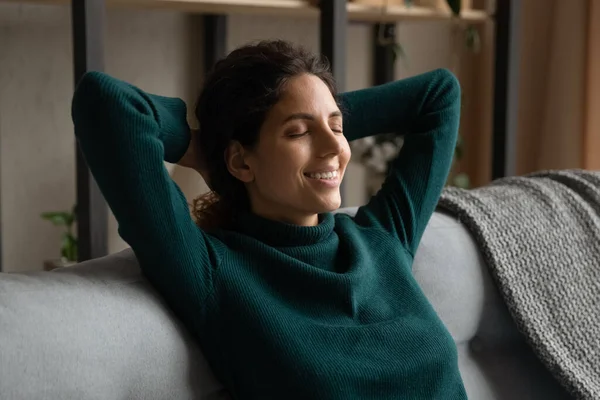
x=237 y=94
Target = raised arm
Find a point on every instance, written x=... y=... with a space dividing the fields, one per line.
x=426 y=110
x=125 y=136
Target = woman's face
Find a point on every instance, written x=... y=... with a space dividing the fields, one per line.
x=301 y=156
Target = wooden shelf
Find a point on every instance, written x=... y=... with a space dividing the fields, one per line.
x=361 y=12
x=298 y=8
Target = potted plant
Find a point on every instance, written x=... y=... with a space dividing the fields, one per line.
x=68 y=248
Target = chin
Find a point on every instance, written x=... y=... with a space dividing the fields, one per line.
x=329 y=205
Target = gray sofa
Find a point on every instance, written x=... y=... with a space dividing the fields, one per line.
x=99 y=331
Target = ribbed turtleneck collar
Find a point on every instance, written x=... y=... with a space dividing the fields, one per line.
x=280 y=234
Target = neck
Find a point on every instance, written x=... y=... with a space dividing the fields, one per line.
x=279 y=233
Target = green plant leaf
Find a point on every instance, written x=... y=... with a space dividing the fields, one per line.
x=472 y=39
x=69 y=247
x=462 y=181
x=59 y=218
x=454 y=6
x=399 y=53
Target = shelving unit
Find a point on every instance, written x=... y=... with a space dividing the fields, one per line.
x=88 y=23
x=297 y=8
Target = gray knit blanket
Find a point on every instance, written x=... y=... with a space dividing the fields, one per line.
x=540 y=238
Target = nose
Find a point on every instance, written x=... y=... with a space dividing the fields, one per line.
x=329 y=143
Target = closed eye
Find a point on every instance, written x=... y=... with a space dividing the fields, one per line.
x=297 y=135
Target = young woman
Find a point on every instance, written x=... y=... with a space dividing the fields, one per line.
x=287 y=300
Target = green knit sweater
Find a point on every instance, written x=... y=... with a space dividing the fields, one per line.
x=282 y=311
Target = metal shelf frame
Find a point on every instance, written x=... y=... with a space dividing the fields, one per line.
x=89 y=25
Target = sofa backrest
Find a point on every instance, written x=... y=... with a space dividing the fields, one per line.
x=98 y=330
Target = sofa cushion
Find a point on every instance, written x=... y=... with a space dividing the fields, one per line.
x=95 y=331
x=494 y=360
x=99 y=331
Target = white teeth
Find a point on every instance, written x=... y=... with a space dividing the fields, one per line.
x=324 y=175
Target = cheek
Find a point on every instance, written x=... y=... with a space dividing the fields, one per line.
x=347 y=152
x=282 y=166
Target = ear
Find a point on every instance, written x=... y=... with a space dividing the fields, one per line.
x=235 y=158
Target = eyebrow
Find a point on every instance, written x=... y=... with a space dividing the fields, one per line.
x=309 y=117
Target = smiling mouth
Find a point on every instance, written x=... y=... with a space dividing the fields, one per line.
x=323 y=175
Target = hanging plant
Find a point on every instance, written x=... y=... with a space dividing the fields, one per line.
x=388 y=39
x=472 y=39
x=377 y=152
x=471 y=34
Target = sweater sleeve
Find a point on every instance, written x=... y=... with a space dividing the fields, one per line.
x=426 y=110
x=125 y=136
